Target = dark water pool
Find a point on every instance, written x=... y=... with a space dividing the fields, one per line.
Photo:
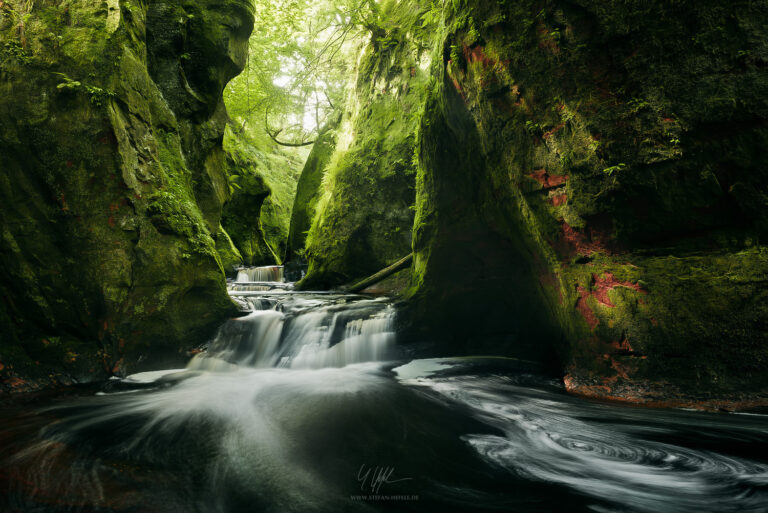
x=430 y=435
x=305 y=406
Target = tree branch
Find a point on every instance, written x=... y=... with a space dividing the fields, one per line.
x=329 y=100
x=274 y=133
x=290 y=144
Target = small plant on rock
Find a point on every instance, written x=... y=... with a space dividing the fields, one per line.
x=97 y=95
x=614 y=169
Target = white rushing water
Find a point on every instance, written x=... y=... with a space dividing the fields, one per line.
x=298 y=331
x=270 y=273
x=606 y=452
x=302 y=332
x=293 y=401
x=460 y=437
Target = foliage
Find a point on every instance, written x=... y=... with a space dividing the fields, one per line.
x=363 y=216
x=613 y=169
x=262 y=182
x=97 y=95
x=289 y=90
x=292 y=86
x=14 y=50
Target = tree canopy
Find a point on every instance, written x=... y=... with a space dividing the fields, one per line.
x=301 y=54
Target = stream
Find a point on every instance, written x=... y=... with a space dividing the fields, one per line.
x=307 y=404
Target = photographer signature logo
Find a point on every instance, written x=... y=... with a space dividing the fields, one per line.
x=372 y=479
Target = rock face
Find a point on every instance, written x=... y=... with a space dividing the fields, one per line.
x=112 y=183
x=591 y=192
x=363 y=213
x=308 y=191
x=264 y=178
x=242 y=213
x=615 y=154
x=582 y=183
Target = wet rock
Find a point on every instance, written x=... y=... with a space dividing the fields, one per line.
x=586 y=146
x=113 y=183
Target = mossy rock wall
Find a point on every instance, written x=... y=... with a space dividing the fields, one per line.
x=615 y=151
x=364 y=213
x=264 y=178
x=112 y=183
x=308 y=191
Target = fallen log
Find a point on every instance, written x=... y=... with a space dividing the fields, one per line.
x=384 y=273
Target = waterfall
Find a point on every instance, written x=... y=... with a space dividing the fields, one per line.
x=368 y=339
x=258 y=286
x=302 y=332
x=271 y=273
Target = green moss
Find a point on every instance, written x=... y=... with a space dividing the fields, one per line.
x=364 y=214
x=609 y=167
x=171 y=213
x=263 y=180
x=228 y=253
x=308 y=190
x=111 y=192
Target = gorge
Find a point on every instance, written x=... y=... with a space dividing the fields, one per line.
x=576 y=192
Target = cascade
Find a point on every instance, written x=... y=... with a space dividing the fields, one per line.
x=270 y=273
x=295 y=401
x=302 y=331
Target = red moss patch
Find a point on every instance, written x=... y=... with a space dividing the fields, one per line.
x=578 y=243
x=558 y=200
x=599 y=290
x=552 y=132
x=455 y=81
x=477 y=54
x=622 y=346
x=602 y=284
x=15 y=382
x=546 y=180
x=546 y=41
x=117 y=368
x=584 y=309
x=458 y=87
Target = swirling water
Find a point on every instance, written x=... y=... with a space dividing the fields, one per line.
x=306 y=405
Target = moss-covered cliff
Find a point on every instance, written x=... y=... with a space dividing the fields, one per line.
x=582 y=183
x=591 y=188
x=263 y=178
x=618 y=154
x=112 y=182
x=308 y=190
x=364 y=213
